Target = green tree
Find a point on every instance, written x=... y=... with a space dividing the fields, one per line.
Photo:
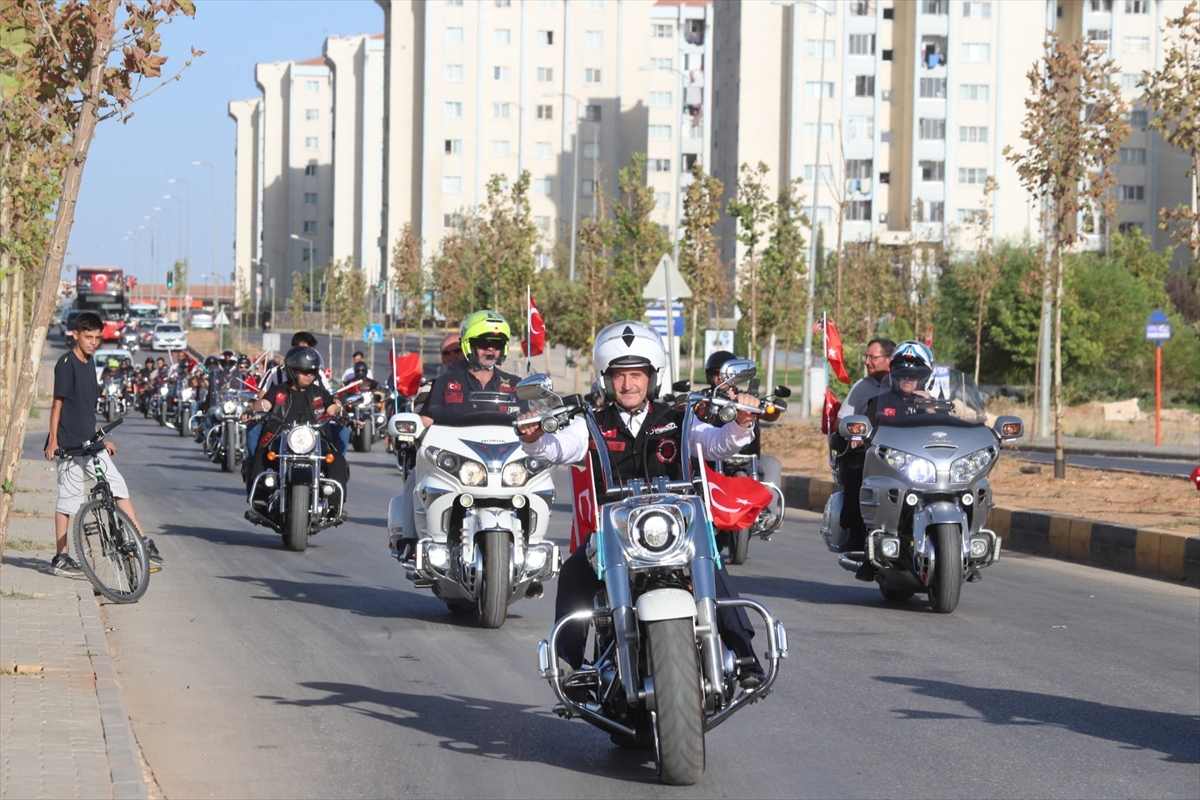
x=753 y=210
x=508 y=239
x=981 y=275
x=1073 y=125
x=298 y=300
x=782 y=273
x=346 y=300
x=638 y=241
x=700 y=250
x=406 y=276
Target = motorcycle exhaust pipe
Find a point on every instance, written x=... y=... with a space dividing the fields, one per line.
x=848 y=562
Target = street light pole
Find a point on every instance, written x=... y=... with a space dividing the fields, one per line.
x=187 y=215
x=575 y=192
x=212 y=183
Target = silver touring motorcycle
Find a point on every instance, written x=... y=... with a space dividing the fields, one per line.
x=658 y=673
x=925 y=493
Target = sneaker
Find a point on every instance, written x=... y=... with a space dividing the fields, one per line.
x=152 y=549
x=65 y=566
x=751 y=677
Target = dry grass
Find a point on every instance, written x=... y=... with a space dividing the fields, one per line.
x=25 y=545
x=1179 y=426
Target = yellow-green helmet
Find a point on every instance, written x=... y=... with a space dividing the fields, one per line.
x=485 y=324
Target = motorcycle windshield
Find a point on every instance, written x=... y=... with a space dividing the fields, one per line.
x=918 y=396
x=486 y=408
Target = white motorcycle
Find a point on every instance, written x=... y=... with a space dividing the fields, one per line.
x=481 y=509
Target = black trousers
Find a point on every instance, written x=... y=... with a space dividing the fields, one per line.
x=850 y=475
x=577 y=588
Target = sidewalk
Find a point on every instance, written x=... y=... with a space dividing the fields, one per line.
x=64 y=728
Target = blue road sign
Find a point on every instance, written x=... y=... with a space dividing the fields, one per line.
x=656 y=314
x=373 y=334
x=1157 y=327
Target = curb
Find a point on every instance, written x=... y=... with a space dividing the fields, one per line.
x=1143 y=551
x=1146 y=454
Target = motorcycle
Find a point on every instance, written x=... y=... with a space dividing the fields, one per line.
x=365 y=412
x=181 y=398
x=157 y=404
x=299 y=500
x=225 y=436
x=130 y=339
x=481 y=510
x=659 y=673
x=925 y=493
x=112 y=400
x=404 y=449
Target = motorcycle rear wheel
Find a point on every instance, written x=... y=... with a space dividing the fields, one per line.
x=496 y=576
x=299 y=501
x=679 y=723
x=229 y=462
x=368 y=438
x=947 y=580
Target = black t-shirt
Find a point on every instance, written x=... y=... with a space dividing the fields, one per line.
x=451 y=394
x=75 y=382
x=291 y=404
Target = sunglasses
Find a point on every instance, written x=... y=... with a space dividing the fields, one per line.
x=306 y=372
x=489 y=344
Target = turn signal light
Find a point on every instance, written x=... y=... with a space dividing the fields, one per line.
x=856 y=428
x=1010 y=429
x=329 y=458
x=272 y=455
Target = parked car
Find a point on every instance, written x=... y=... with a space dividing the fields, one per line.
x=202 y=320
x=146 y=328
x=168 y=336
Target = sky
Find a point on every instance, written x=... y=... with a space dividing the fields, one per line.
x=129 y=165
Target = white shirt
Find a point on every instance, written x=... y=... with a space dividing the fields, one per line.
x=571 y=443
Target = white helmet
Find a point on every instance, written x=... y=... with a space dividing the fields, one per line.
x=628 y=344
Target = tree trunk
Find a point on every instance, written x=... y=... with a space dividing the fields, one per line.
x=695 y=327
x=978 y=335
x=837 y=303
x=753 y=307
x=47 y=291
x=1060 y=464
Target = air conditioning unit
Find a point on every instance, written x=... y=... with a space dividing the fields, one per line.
x=886 y=96
x=883 y=218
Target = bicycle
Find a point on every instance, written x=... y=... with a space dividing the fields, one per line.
x=111 y=552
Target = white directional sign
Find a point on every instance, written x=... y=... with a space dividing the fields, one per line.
x=221 y=319
x=656 y=289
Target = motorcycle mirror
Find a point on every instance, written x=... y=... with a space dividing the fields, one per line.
x=783 y=391
x=679 y=387
x=538 y=386
x=1009 y=429
x=855 y=426
x=737 y=370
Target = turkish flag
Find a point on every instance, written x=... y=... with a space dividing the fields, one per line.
x=583 y=505
x=735 y=502
x=535 y=345
x=1196 y=477
x=408 y=374
x=829 y=417
x=833 y=350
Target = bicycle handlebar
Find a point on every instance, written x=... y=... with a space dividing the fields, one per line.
x=88 y=447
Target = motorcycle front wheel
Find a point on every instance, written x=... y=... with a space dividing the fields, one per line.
x=299 y=501
x=947 y=580
x=229 y=462
x=739 y=546
x=110 y=411
x=679 y=715
x=493 y=595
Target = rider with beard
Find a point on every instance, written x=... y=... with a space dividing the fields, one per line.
x=301 y=400
x=643 y=441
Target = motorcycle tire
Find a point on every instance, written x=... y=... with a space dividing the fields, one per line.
x=368 y=438
x=229 y=462
x=110 y=412
x=496 y=577
x=299 y=501
x=739 y=546
x=162 y=419
x=679 y=722
x=947 y=580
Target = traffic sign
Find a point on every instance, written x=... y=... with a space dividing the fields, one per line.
x=221 y=319
x=656 y=288
x=373 y=334
x=1157 y=327
x=656 y=312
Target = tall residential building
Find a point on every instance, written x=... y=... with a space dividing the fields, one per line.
x=247 y=206
x=911 y=104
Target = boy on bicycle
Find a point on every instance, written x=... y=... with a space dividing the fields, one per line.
x=73 y=422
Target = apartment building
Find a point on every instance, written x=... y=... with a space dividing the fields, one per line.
x=910 y=105
x=247 y=204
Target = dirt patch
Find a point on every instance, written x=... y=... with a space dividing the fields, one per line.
x=1120 y=497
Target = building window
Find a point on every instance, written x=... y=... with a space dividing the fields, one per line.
x=974 y=91
x=310 y=170
x=937 y=211
x=815 y=89
x=592 y=113
x=543 y=185
x=861 y=44
x=453 y=72
x=975 y=52
x=541 y=223
x=306 y=254
x=973 y=133
x=1137 y=44
x=310 y=198
x=1138 y=119
x=501 y=110
x=545 y=74
x=860 y=126
x=311 y=114
x=933 y=88
x=1100 y=36
x=859 y=211
x=454 y=35
x=451 y=184
x=661 y=63
x=862 y=8
x=591 y=150
x=503 y=3
x=819 y=48
x=310 y=226
x=500 y=147
x=978 y=10
x=454 y=2
x=972 y=175
x=658 y=165
x=542 y=150
x=500 y=74
x=1131 y=81
x=932 y=128
x=857 y=169
x=593 y=39
x=545 y=37
x=545 y=112
x=932 y=171
x=864 y=85
x=1131 y=194
x=662 y=199
x=312 y=142
x=587 y=187
x=660 y=31
x=659 y=132
x=452 y=108
x=591 y=75
x=1101 y=6
x=935 y=7
x=1137 y=7
x=660 y=99
x=810 y=172
x=970 y=216
x=454 y=147
x=312 y=86
x=810 y=131
x=1126 y=228
x=1132 y=155
x=502 y=36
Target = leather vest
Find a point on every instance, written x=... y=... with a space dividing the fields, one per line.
x=654 y=452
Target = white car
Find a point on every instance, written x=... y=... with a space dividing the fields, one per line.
x=103 y=354
x=201 y=320
x=168 y=336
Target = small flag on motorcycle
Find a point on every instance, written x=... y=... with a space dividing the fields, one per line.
x=829 y=416
x=408 y=374
x=735 y=502
x=833 y=349
x=535 y=344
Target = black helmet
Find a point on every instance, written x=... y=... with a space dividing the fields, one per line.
x=301 y=359
x=210 y=361
x=150 y=363
x=361 y=369
x=126 y=362
x=228 y=358
x=714 y=363
x=243 y=360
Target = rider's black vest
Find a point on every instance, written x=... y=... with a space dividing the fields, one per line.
x=653 y=453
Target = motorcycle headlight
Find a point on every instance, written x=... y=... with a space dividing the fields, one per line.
x=187 y=393
x=472 y=473
x=655 y=529
x=514 y=474
x=301 y=440
x=918 y=470
x=163 y=390
x=229 y=407
x=967 y=468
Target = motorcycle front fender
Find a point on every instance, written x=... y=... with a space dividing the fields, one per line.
x=831 y=523
x=659 y=604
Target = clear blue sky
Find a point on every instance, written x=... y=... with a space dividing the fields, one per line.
x=188 y=120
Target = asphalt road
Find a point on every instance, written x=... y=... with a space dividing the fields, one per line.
x=254 y=672
x=1146 y=465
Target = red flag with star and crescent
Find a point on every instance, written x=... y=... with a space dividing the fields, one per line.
x=833 y=349
x=535 y=345
x=735 y=502
x=829 y=416
x=408 y=374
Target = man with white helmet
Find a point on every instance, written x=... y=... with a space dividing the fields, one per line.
x=642 y=438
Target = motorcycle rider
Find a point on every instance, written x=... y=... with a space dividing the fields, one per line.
x=301 y=399
x=278 y=375
x=642 y=439
x=112 y=370
x=356 y=358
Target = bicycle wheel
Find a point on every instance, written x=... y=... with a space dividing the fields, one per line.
x=111 y=553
